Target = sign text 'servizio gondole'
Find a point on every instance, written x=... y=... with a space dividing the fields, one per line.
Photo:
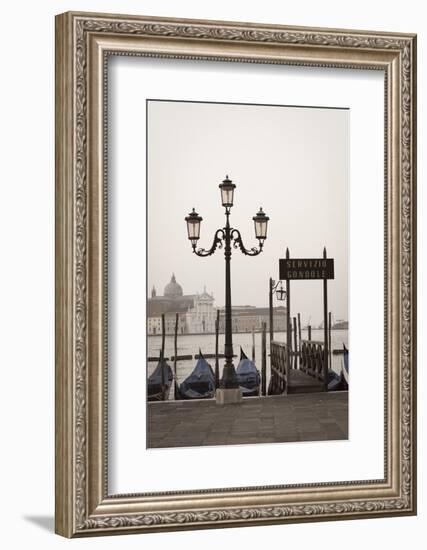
x=306 y=268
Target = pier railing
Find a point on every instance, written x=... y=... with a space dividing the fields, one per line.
x=311 y=358
x=280 y=361
x=296 y=371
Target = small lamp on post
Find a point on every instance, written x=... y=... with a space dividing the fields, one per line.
x=281 y=293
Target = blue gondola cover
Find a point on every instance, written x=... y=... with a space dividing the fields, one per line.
x=154 y=382
x=200 y=384
x=248 y=376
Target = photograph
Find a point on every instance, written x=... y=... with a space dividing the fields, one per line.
x=247 y=316
x=235 y=216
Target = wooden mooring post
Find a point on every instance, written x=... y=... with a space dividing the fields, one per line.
x=270 y=307
x=325 y=327
x=253 y=344
x=309 y=332
x=330 y=340
x=216 y=349
x=299 y=332
x=295 y=361
x=264 y=359
x=163 y=335
x=176 y=392
x=288 y=316
x=162 y=354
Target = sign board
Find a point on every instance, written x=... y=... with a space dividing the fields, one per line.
x=306 y=268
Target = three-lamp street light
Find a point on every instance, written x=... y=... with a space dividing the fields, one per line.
x=224 y=237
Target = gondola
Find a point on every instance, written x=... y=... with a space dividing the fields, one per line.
x=336 y=381
x=339 y=381
x=345 y=364
x=157 y=388
x=200 y=384
x=248 y=376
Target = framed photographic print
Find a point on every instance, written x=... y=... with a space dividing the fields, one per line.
x=235 y=221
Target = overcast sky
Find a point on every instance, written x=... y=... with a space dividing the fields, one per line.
x=291 y=161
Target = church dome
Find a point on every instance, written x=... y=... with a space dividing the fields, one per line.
x=173 y=289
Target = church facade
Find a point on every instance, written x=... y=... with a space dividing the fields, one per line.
x=201 y=317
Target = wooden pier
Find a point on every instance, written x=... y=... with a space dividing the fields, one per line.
x=300 y=369
x=300 y=382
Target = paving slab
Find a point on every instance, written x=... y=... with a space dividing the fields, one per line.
x=273 y=419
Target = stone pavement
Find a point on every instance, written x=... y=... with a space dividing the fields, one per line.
x=300 y=417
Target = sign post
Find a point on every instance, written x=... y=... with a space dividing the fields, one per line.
x=303 y=269
x=288 y=323
x=325 y=328
x=270 y=306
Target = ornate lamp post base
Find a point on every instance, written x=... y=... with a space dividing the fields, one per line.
x=226 y=396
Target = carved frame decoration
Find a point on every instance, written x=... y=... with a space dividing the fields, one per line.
x=83 y=42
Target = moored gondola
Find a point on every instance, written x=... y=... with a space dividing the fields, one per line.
x=248 y=376
x=200 y=384
x=336 y=381
x=160 y=381
x=345 y=365
x=339 y=381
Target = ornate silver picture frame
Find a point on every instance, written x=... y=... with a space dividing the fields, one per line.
x=84 y=43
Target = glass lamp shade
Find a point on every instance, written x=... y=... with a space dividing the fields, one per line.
x=281 y=294
x=227 y=192
x=193 y=226
x=261 y=222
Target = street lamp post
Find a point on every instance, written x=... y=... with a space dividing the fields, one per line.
x=226 y=237
x=280 y=295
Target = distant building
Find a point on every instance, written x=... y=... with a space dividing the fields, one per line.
x=340 y=325
x=248 y=318
x=197 y=314
x=154 y=325
x=196 y=311
x=201 y=317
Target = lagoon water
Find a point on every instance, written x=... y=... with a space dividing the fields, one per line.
x=190 y=344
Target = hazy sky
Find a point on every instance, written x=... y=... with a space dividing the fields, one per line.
x=291 y=161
